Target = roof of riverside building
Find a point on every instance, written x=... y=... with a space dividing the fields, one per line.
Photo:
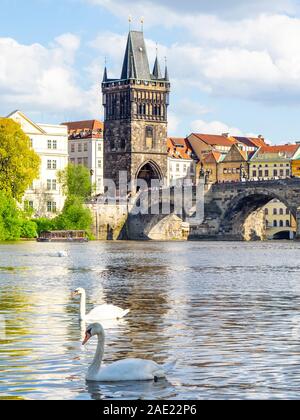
x=215 y=140
x=84 y=129
x=179 y=148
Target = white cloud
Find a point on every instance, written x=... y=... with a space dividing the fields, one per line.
x=255 y=56
x=214 y=127
x=36 y=78
x=228 y=8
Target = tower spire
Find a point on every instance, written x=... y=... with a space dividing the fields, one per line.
x=105 y=78
x=166 y=70
x=156 y=70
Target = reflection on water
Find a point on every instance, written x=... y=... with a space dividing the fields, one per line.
x=229 y=313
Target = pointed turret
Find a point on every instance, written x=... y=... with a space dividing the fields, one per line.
x=167 y=78
x=105 y=78
x=136 y=64
x=156 y=70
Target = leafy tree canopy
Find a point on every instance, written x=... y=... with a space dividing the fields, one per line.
x=10 y=218
x=74 y=216
x=76 y=181
x=19 y=164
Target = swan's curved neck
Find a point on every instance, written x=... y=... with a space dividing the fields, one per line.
x=82 y=305
x=96 y=365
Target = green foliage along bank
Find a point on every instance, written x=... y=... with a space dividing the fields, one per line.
x=75 y=216
x=19 y=164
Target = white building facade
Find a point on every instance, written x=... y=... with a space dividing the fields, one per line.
x=181 y=165
x=45 y=196
x=86 y=148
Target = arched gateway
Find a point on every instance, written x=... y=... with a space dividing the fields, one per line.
x=149 y=171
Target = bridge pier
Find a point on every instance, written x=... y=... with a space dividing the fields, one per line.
x=297 y=238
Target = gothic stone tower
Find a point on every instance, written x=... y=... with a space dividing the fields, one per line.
x=135 y=134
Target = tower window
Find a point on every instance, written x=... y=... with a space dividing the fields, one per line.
x=149 y=137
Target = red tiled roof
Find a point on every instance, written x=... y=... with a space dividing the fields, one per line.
x=215 y=140
x=251 y=141
x=212 y=157
x=286 y=148
x=93 y=125
x=259 y=142
x=179 y=148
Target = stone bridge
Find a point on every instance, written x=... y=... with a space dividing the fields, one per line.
x=232 y=211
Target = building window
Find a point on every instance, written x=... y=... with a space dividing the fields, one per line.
x=281 y=224
x=72 y=161
x=31 y=143
x=72 y=148
x=123 y=144
x=288 y=172
x=54 y=145
x=79 y=147
x=49 y=144
x=85 y=147
x=275 y=223
x=86 y=162
x=79 y=161
x=100 y=164
x=177 y=167
x=275 y=172
x=281 y=172
x=275 y=212
x=254 y=174
x=287 y=212
x=266 y=174
x=149 y=137
x=260 y=174
x=49 y=164
x=51 y=184
x=288 y=223
x=266 y=212
x=99 y=147
x=51 y=207
x=54 y=164
x=281 y=212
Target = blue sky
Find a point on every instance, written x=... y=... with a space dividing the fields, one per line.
x=234 y=65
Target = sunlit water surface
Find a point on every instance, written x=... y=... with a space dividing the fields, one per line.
x=228 y=312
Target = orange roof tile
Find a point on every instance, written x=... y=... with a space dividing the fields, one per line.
x=215 y=140
x=211 y=157
x=84 y=125
x=179 y=148
x=286 y=148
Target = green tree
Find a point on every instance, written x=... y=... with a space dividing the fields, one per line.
x=74 y=216
x=28 y=229
x=19 y=164
x=76 y=181
x=10 y=218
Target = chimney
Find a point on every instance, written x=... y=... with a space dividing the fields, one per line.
x=261 y=137
x=226 y=135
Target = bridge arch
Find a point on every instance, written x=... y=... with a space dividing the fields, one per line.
x=242 y=217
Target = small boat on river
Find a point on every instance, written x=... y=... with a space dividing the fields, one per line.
x=63 y=236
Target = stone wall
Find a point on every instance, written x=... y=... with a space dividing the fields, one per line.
x=109 y=221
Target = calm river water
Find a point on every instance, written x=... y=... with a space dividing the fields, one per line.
x=228 y=312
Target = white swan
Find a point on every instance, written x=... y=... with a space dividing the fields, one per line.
x=123 y=370
x=102 y=312
x=62 y=254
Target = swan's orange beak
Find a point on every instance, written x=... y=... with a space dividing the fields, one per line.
x=86 y=339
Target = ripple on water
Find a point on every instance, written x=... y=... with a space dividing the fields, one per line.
x=228 y=312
